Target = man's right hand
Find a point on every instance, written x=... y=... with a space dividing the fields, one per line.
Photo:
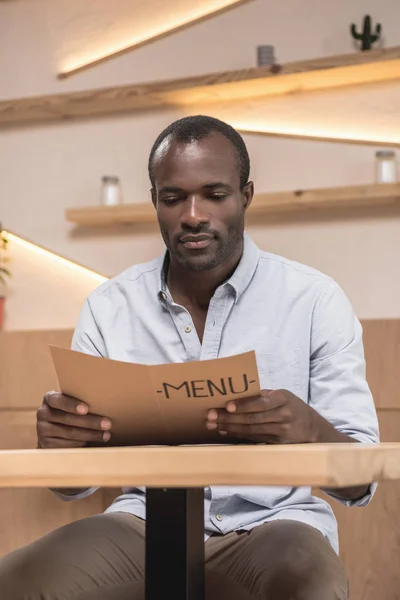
x=65 y=422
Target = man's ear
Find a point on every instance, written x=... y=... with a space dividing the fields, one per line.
x=248 y=193
x=154 y=197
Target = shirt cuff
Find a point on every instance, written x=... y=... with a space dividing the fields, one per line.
x=363 y=501
x=77 y=496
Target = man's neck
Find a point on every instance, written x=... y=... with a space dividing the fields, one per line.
x=198 y=287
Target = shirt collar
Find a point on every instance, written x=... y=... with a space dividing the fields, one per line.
x=246 y=268
x=163 y=293
x=238 y=282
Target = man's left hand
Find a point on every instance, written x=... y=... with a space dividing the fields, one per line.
x=279 y=417
x=273 y=417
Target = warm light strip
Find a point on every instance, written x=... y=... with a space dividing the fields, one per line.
x=55 y=257
x=390 y=139
x=154 y=36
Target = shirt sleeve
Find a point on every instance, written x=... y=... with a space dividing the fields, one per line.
x=338 y=388
x=87 y=338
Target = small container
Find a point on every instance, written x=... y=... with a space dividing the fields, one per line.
x=265 y=55
x=386 y=168
x=110 y=191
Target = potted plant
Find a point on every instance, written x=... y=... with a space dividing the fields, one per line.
x=4 y=273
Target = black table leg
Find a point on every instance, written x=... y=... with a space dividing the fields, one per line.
x=175 y=543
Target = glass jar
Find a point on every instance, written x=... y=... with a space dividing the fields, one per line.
x=386 y=169
x=110 y=191
x=265 y=55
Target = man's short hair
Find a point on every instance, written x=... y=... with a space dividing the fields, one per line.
x=195 y=128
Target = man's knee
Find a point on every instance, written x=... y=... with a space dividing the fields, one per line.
x=306 y=567
x=32 y=572
x=19 y=577
x=71 y=558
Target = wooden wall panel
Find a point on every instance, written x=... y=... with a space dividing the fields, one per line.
x=26 y=373
x=26 y=370
x=370 y=545
x=17 y=429
x=370 y=536
x=27 y=515
x=382 y=352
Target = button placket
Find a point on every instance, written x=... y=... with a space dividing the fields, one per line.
x=186 y=330
x=219 y=307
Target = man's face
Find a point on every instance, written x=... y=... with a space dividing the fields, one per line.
x=200 y=206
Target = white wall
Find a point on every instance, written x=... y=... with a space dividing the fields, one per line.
x=45 y=169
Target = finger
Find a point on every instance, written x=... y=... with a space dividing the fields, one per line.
x=255 y=439
x=267 y=400
x=65 y=403
x=271 y=429
x=78 y=434
x=276 y=415
x=53 y=415
x=60 y=443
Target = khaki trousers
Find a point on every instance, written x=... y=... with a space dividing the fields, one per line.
x=102 y=558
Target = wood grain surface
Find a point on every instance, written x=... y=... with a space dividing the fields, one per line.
x=382 y=351
x=259 y=82
x=370 y=536
x=26 y=373
x=26 y=367
x=335 y=465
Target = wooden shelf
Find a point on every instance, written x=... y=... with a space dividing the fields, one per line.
x=298 y=201
x=112 y=215
x=375 y=66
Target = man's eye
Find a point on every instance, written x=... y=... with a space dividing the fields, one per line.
x=218 y=196
x=171 y=200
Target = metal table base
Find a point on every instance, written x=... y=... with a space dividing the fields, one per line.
x=175 y=543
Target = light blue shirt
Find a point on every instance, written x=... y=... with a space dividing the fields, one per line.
x=307 y=340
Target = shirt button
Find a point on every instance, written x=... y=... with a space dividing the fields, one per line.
x=218 y=517
x=188 y=329
x=163 y=295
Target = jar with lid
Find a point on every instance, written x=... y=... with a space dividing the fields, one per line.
x=386 y=168
x=265 y=55
x=110 y=191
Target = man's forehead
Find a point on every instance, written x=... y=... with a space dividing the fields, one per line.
x=213 y=153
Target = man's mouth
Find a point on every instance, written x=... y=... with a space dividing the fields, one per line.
x=196 y=242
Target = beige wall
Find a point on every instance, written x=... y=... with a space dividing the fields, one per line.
x=45 y=169
x=45 y=292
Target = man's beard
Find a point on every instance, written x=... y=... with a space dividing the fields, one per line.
x=225 y=247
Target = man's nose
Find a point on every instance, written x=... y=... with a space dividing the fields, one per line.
x=194 y=213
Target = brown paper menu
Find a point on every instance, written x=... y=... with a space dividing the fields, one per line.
x=156 y=404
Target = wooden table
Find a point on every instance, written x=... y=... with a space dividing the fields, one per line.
x=175 y=478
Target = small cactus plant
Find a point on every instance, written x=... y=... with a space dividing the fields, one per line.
x=367 y=37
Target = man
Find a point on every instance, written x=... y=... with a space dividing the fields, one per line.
x=214 y=293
